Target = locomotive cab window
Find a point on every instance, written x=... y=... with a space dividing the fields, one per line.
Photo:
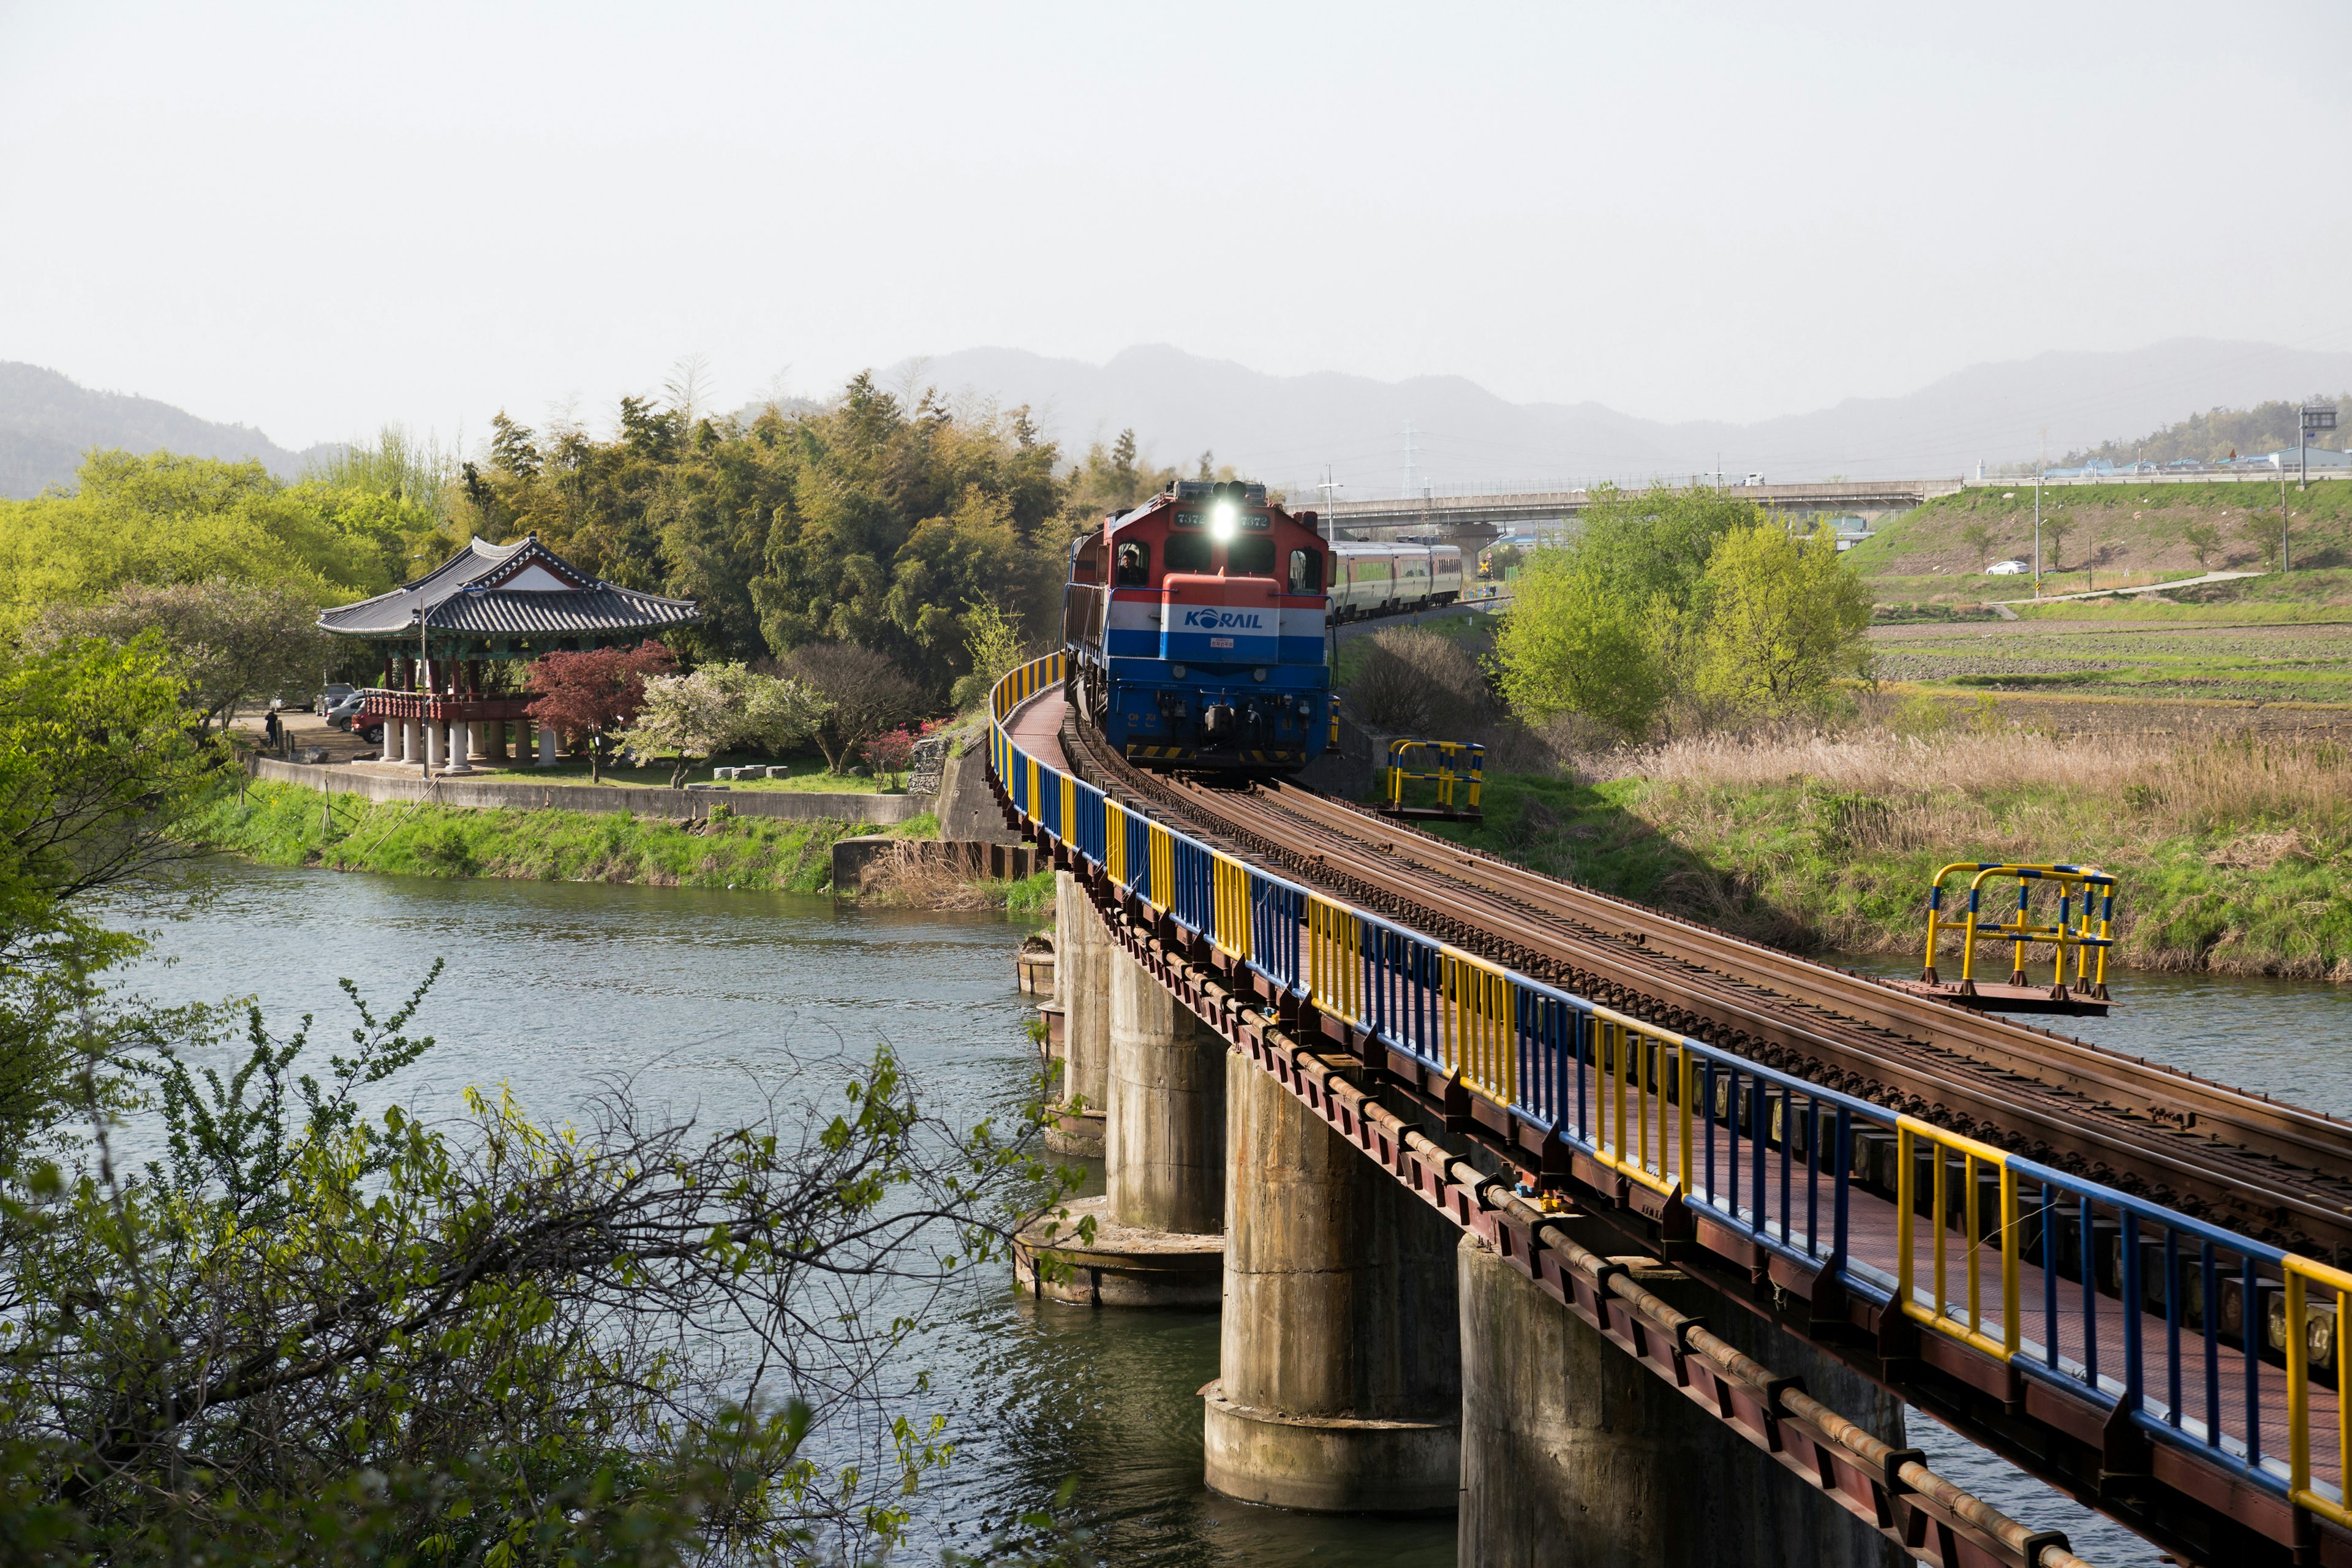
x=1134 y=564
x=1306 y=571
x=1250 y=557
x=1188 y=552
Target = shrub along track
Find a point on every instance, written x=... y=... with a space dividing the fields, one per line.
x=2275 y=1172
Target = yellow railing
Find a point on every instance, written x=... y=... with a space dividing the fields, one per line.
x=1163 y=867
x=1644 y=1097
x=1335 y=959
x=2302 y=1274
x=1481 y=1043
x=1636 y=1130
x=1911 y=1133
x=1229 y=890
x=1115 y=841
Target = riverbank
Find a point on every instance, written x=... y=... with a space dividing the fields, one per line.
x=2233 y=853
x=286 y=825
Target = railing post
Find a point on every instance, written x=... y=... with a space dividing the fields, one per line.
x=2135 y=1373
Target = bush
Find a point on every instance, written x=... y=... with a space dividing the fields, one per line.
x=1412 y=681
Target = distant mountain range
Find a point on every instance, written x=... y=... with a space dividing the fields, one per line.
x=47 y=421
x=1285 y=429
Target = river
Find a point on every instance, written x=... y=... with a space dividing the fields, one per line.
x=700 y=1000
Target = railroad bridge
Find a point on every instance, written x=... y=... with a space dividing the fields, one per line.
x=1629 y=1240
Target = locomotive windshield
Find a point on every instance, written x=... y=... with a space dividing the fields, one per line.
x=1306 y=571
x=1250 y=558
x=1188 y=552
x=1134 y=564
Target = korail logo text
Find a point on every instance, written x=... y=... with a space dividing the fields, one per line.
x=1216 y=620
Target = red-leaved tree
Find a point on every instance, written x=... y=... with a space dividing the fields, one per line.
x=893 y=751
x=596 y=694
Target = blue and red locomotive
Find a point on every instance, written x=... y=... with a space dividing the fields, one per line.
x=1194 y=626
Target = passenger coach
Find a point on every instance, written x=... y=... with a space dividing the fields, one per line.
x=1194 y=626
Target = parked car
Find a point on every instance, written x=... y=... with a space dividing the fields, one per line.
x=2007 y=569
x=333 y=694
x=346 y=715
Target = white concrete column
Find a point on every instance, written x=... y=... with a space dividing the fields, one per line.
x=411 y=742
x=461 y=747
x=547 y=745
x=388 y=741
x=434 y=754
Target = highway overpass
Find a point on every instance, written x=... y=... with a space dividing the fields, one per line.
x=1484 y=517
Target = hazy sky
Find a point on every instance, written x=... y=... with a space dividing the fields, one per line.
x=318 y=218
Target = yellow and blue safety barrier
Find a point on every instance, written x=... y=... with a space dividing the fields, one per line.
x=2063 y=934
x=2103 y=1299
x=1458 y=768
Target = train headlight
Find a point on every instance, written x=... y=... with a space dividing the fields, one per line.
x=1223 y=521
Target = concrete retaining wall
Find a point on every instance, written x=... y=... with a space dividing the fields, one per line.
x=853 y=859
x=882 y=810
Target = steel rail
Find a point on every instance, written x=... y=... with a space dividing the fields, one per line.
x=2284 y=1130
x=2251 y=1190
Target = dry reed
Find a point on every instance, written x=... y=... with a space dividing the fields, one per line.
x=2160 y=784
x=915 y=877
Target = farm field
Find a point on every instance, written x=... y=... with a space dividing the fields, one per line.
x=2309 y=663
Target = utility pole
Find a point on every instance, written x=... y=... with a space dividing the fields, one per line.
x=2037 y=536
x=1408 y=460
x=2286 y=554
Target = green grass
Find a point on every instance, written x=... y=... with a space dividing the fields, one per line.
x=2218 y=872
x=1033 y=895
x=2130 y=534
x=808 y=773
x=285 y=824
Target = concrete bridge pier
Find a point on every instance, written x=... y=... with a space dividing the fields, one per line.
x=1158 y=1228
x=1572 y=1453
x=1339 y=1387
x=1082 y=959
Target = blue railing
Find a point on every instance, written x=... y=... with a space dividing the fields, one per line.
x=2200 y=1334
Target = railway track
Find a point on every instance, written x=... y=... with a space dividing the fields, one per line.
x=2268 y=1170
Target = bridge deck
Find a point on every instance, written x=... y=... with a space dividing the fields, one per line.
x=1036 y=727
x=2117 y=1380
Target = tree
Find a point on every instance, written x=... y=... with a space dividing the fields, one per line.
x=863 y=692
x=594 y=695
x=1979 y=537
x=720 y=708
x=100 y=775
x=2055 y=527
x=162 y=520
x=2202 y=539
x=227 y=642
x=2256 y=528
x=1571 y=644
x=995 y=648
x=1607 y=626
x=1784 y=619
x=892 y=752
x=306 y=1334
x=302 y=1334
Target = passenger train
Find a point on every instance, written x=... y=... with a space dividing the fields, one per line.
x=1196 y=624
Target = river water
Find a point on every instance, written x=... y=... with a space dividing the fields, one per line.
x=703 y=1000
